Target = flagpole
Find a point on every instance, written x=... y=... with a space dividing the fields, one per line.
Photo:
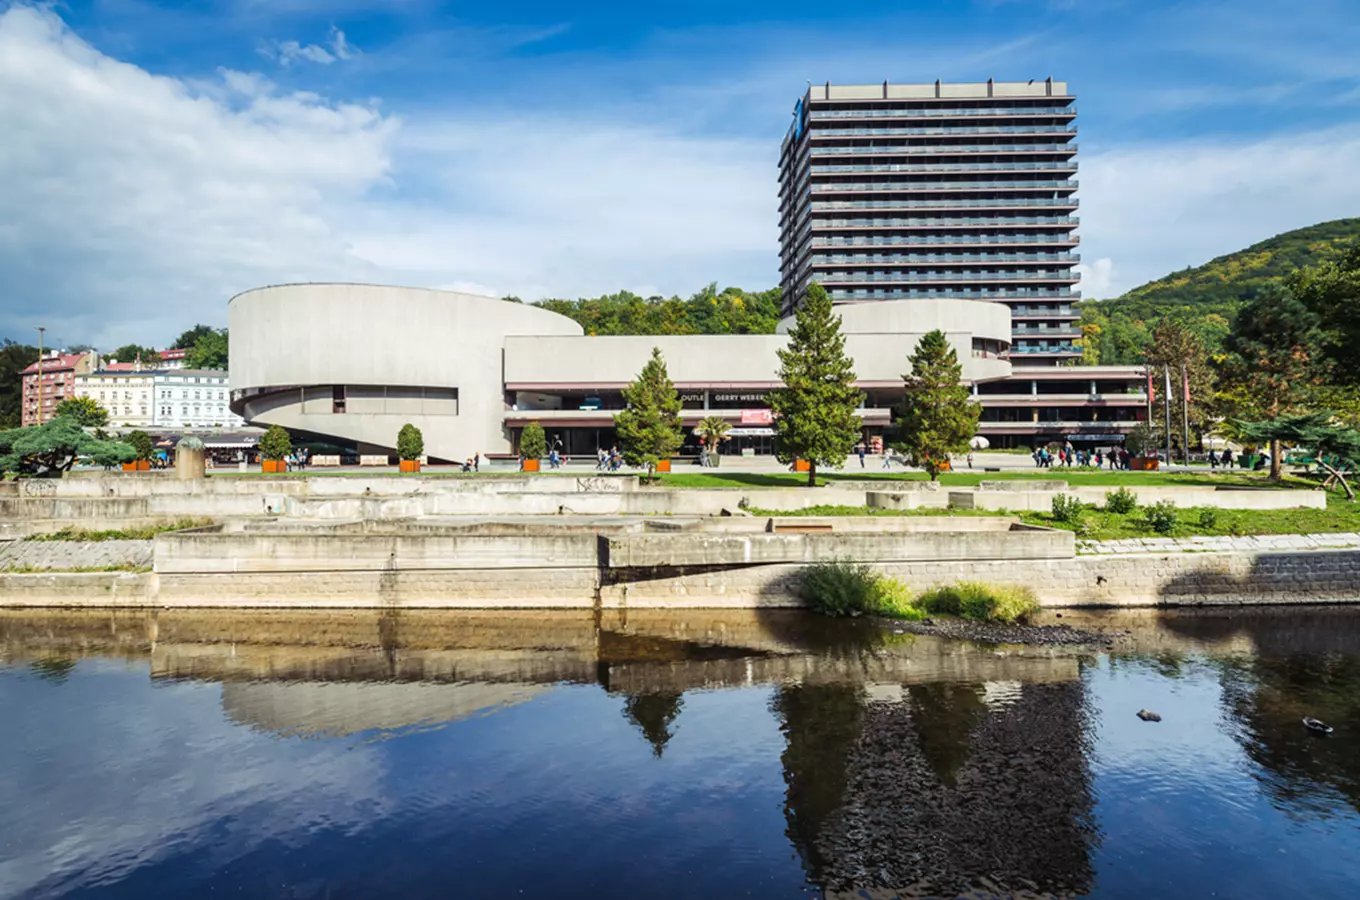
x=1166 y=373
x=1185 y=411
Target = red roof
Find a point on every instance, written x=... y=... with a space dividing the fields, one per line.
x=123 y=367
x=54 y=363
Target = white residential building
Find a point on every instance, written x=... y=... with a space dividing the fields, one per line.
x=194 y=399
x=179 y=399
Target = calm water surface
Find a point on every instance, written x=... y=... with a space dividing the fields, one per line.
x=700 y=755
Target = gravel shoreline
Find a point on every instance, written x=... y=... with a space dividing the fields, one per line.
x=1001 y=633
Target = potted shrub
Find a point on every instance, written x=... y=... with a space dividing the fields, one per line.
x=712 y=431
x=533 y=443
x=142 y=450
x=410 y=447
x=275 y=445
x=1142 y=449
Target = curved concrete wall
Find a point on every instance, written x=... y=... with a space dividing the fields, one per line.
x=316 y=335
x=981 y=318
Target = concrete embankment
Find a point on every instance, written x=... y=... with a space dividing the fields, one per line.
x=677 y=564
x=533 y=541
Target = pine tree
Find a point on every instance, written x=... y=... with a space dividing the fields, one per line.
x=815 y=409
x=649 y=425
x=936 y=418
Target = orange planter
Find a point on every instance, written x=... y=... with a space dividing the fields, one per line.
x=273 y=465
x=663 y=465
x=531 y=465
x=129 y=467
x=409 y=465
x=802 y=465
x=143 y=465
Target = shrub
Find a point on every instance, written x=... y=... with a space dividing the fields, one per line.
x=1121 y=502
x=533 y=443
x=1208 y=518
x=980 y=602
x=275 y=443
x=843 y=588
x=142 y=446
x=410 y=442
x=1161 y=517
x=1066 y=508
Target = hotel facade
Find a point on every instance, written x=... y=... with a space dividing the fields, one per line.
x=918 y=207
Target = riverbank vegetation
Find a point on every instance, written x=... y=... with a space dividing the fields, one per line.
x=1076 y=477
x=1106 y=524
x=842 y=588
x=131 y=533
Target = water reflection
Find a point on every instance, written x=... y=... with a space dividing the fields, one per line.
x=705 y=743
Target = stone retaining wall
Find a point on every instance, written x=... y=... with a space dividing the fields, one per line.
x=68 y=555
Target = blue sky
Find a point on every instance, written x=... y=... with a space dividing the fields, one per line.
x=160 y=157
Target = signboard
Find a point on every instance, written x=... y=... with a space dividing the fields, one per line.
x=757 y=417
x=1095 y=437
x=750 y=432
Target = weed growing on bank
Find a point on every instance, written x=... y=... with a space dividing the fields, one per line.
x=980 y=602
x=138 y=533
x=842 y=588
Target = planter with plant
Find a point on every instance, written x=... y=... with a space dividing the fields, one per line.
x=410 y=447
x=142 y=451
x=1142 y=447
x=712 y=430
x=533 y=443
x=275 y=445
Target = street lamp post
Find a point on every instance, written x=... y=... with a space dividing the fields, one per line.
x=41 y=330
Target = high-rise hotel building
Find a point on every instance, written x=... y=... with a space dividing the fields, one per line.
x=966 y=191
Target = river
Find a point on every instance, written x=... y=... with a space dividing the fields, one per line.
x=663 y=755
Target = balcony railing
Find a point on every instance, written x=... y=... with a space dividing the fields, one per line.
x=928 y=168
x=945 y=130
x=1052 y=311
x=998 y=221
x=830 y=278
x=910 y=258
x=982 y=203
x=912 y=186
x=945 y=150
x=947 y=294
x=1063 y=331
x=1051 y=350
x=944 y=239
x=939 y=113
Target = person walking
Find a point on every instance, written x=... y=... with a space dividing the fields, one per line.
x=970 y=459
x=862 y=450
x=477 y=461
x=1213 y=459
x=887 y=457
x=1227 y=458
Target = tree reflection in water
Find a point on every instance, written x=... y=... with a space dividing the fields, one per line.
x=1267 y=698
x=948 y=788
x=654 y=714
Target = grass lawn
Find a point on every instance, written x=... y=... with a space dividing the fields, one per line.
x=1096 y=525
x=1074 y=477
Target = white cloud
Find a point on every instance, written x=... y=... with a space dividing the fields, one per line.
x=1096 y=278
x=132 y=205
x=288 y=52
x=1151 y=209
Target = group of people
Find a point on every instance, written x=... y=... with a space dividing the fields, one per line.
x=298 y=459
x=1067 y=455
x=474 y=464
x=608 y=460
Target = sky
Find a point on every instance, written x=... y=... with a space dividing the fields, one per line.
x=157 y=158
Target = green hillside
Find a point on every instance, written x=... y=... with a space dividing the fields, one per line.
x=1207 y=297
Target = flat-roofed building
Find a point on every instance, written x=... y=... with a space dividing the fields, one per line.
x=937 y=191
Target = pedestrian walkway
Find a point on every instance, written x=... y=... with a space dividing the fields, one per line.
x=1347 y=540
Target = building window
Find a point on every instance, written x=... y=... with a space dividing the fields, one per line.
x=338 y=398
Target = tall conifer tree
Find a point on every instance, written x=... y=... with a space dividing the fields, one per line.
x=649 y=426
x=815 y=409
x=936 y=418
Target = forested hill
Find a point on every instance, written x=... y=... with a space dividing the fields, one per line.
x=1207 y=297
x=734 y=311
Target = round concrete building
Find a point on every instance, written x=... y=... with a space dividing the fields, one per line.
x=347 y=365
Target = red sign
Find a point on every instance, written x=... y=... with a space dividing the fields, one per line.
x=757 y=417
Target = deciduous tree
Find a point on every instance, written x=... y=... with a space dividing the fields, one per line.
x=1274 y=366
x=649 y=424
x=815 y=409
x=210 y=351
x=85 y=410
x=937 y=418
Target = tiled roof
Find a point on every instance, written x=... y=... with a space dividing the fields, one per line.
x=52 y=364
